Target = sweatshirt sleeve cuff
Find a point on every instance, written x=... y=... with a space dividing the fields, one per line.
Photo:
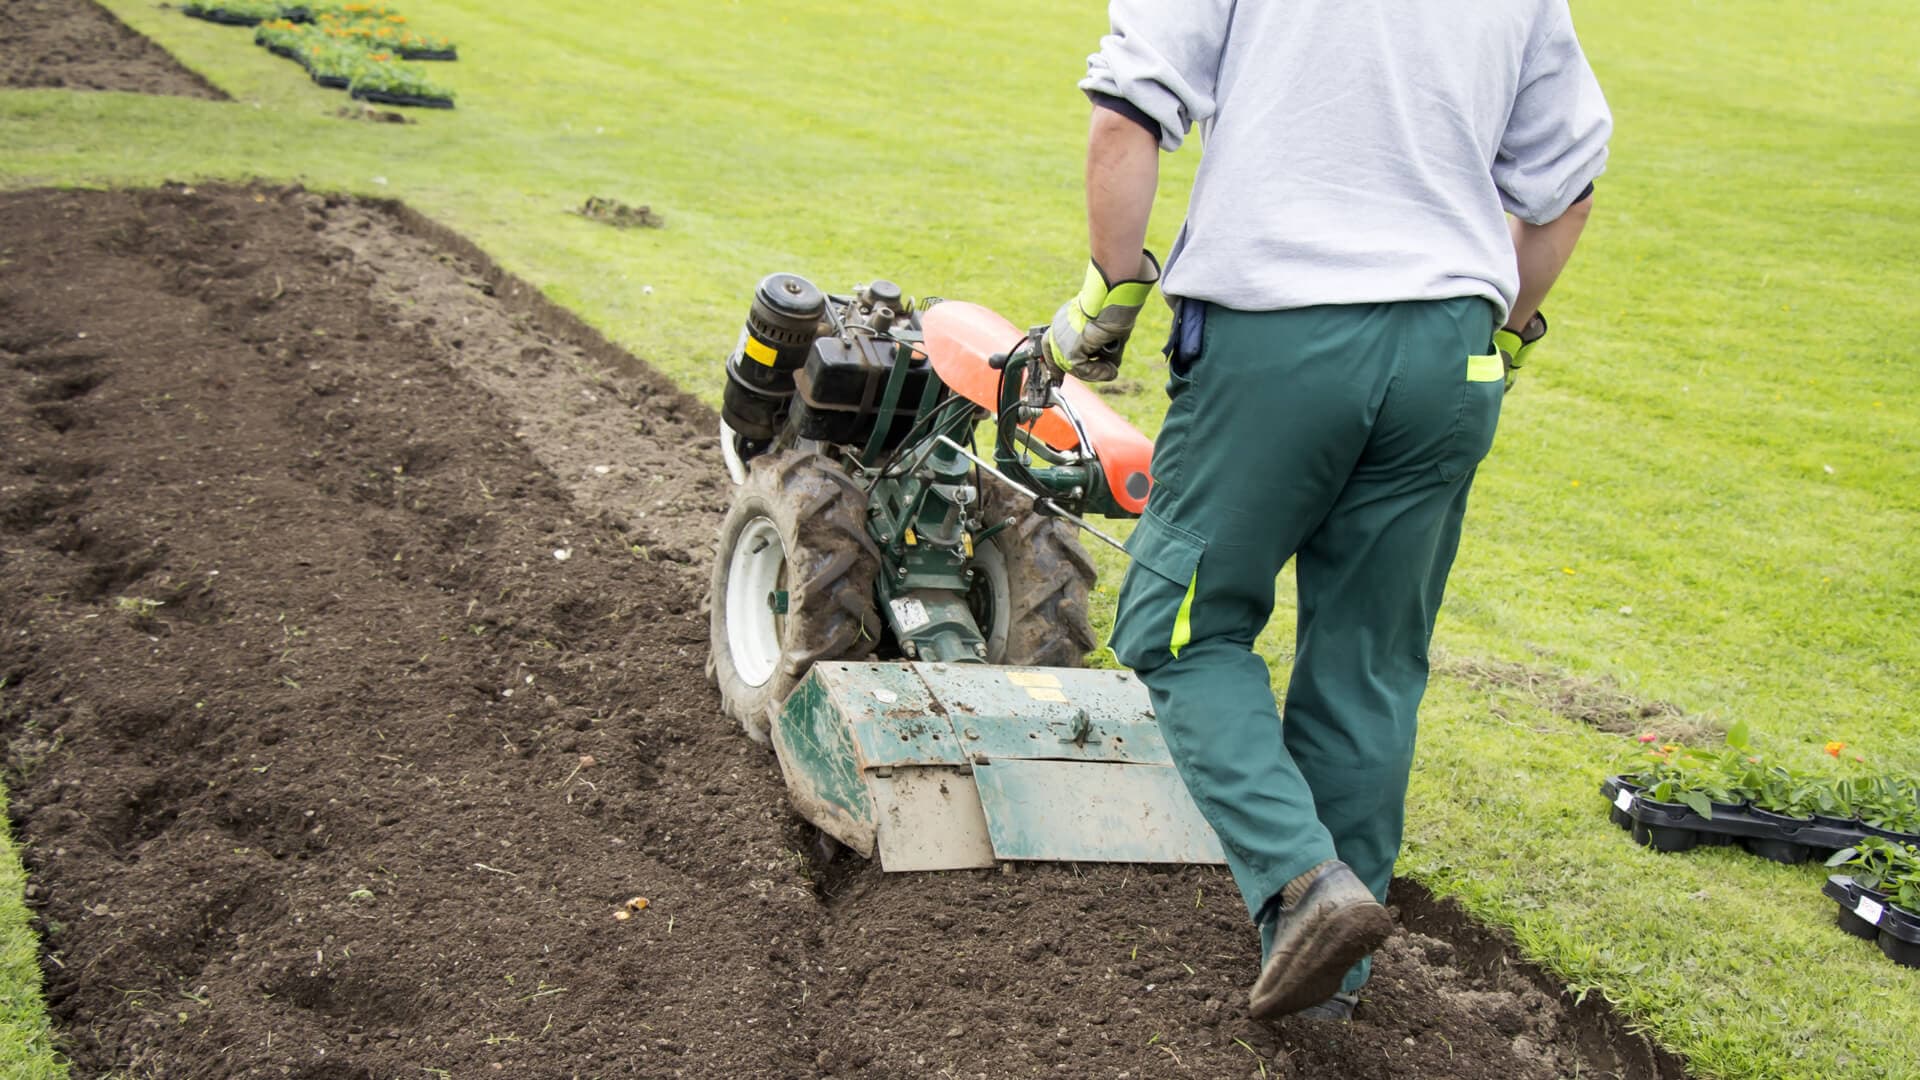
x=1141 y=90
x=1127 y=109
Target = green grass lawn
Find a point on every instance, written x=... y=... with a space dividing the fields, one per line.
x=1705 y=488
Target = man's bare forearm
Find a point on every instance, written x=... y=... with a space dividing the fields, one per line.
x=1543 y=251
x=1123 y=172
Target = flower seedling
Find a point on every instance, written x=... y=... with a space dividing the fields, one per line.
x=1885 y=803
x=417 y=46
x=242 y=12
x=283 y=36
x=332 y=62
x=1739 y=773
x=384 y=79
x=1890 y=869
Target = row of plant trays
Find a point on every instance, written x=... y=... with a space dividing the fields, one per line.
x=388 y=97
x=340 y=66
x=1672 y=826
x=246 y=14
x=404 y=54
x=366 y=93
x=1869 y=915
x=266 y=13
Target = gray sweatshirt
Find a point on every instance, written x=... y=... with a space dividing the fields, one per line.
x=1359 y=151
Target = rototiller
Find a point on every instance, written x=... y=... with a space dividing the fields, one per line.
x=904 y=617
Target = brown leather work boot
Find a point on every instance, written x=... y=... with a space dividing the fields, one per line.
x=1326 y=922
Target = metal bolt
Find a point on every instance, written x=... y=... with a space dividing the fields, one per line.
x=980 y=650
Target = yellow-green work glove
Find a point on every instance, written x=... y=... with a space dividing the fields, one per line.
x=1515 y=345
x=1090 y=331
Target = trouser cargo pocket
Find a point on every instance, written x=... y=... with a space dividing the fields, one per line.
x=1155 y=617
x=1479 y=415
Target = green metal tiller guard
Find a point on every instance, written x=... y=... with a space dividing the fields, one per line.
x=942 y=766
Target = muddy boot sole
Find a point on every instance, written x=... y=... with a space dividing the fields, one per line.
x=1312 y=954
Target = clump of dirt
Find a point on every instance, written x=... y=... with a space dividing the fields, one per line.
x=79 y=45
x=348 y=704
x=371 y=115
x=619 y=215
x=1599 y=703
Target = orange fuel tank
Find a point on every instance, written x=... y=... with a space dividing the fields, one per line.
x=961 y=337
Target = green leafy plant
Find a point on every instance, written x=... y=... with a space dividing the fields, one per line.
x=252 y=11
x=331 y=59
x=1798 y=794
x=367 y=12
x=1740 y=773
x=1885 y=867
x=1699 y=778
x=283 y=36
x=382 y=74
x=413 y=45
x=1886 y=803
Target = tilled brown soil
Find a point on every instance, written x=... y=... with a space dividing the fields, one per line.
x=352 y=681
x=79 y=45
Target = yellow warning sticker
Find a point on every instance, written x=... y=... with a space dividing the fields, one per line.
x=1046 y=693
x=1034 y=678
x=760 y=351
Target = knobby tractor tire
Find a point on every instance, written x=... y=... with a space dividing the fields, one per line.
x=815 y=514
x=1031 y=581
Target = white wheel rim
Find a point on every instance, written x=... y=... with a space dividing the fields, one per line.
x=755 y=573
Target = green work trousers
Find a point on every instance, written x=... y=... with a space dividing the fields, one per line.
x=1346 y=437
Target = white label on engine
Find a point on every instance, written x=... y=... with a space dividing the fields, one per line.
x=910 y=613
x=1869 y=910
x=1624 y=800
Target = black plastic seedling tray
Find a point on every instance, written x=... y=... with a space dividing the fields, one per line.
x=382 y=97
x=225 y=18
x=1677 y=827
x=1866 y=914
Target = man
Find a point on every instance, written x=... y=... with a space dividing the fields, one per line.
x=1351 y=304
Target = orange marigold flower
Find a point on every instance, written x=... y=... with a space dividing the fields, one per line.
x=1671 y=748
x=1834 y=748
